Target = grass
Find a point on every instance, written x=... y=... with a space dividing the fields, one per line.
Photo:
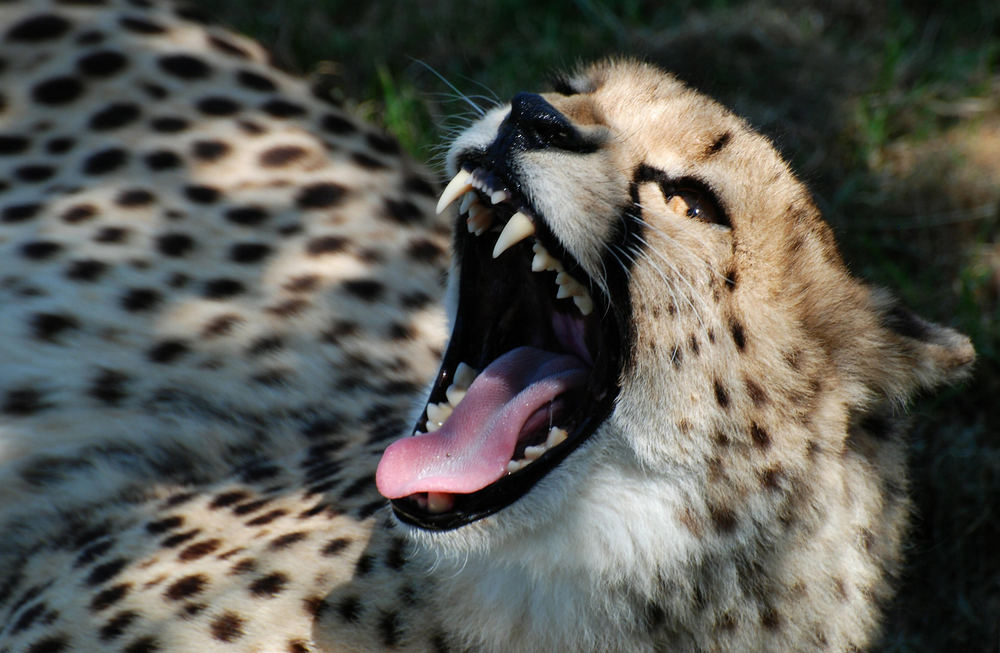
x=890 y=111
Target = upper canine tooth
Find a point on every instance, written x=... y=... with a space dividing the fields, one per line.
x=459 y=184
x=499 y=196
x=518 y=228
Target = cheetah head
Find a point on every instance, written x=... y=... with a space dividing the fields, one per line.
x=645 y=300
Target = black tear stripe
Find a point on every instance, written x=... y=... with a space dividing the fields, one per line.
x=720 y=142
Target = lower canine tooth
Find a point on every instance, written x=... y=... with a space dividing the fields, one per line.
x=467 y=202
x=518 y=228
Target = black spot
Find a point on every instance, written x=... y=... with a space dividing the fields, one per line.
x=169 y=125
x=85 y=270
x=103 y=63
x=760 y=436
x=28 y=617
x=367 y=161
x=185 y=66
x=757 y=394
x=228 y=498
x=40 y=249
x=134 y=197
x=282 y=155
x=221 y=325
x=20 y=212
x=731 y=279
x=105 y=161
x=287 y=540
x=60 y=145
x=114 y=116
x=382 y=144
x=106 y=598
x=420 y=186
x=179 y=538
x=218 y=106
x=174 y=244
x=13 y=145
x=366 y=289
x=255 y=81
x=335 y=546
x=226 y=46
x=227 y=627
x=396 y=556
x=222 y=288
x=337 y=124
x=349 y=609
x=34 y=173
x=140 y=299
x=326 y=245
x=721 y=395
x=283 y=109
x=186 y=587
x=403 y=211
x=247 y=215
x=109 y=387
x=57 y=90
x=92 y=552
x=39 y=28
x=415 y=300
x=167 y=351
x=48 y=326
x=388 y=628
x=141 y=25
x=249 y=252
x=724 y=519
x=320 y=195
x=105 y=572
x=199 y=550
x=202 y=194
x=145 y=644
x=117 y=625
x=162 y=160
x=298 y=646
x=424 y=250
x=739 y=337
x=267 y=517
x=163 y=525
x=269 y=586
x=250 y=506
x=209 y=150
x=55 y=644
x=719 y=143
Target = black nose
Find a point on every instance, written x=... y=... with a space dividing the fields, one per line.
x=535 y=124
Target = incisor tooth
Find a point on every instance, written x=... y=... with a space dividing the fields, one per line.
x=464 y=375
x=516 y=466
x=439 y=501
x=585 y=303
x=518 y=228
x=499 y=196
x=459 y=184
x=480 y=219
x=532 y=453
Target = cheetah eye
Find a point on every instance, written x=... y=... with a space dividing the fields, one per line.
x=695 y=203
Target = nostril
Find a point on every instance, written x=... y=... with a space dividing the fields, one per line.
x=538 y=124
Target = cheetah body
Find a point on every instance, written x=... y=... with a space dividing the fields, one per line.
x=222 y=298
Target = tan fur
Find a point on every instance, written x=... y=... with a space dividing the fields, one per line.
x=192 y=469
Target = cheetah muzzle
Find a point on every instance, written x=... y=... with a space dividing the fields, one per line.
x=536 y=352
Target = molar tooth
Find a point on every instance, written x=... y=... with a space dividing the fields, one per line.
x=542 y=259
x=464 y=375
x=585 y=303
x=556 y=437
x=455 y=394
x=518 y=228
x=499 y=196
x=438 y=413
x=431 y=426
x=459 y=184
x=532 y=453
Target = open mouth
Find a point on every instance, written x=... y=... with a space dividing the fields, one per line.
x=531 y=371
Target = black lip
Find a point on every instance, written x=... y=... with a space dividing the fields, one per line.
x=469 y=343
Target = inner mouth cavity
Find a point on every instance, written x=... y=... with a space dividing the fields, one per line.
x=548 y=368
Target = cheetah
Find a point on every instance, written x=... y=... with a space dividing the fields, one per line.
x=249 y=401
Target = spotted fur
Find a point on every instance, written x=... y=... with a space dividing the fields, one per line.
x=221 y=301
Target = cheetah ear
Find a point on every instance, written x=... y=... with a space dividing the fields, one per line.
x=926 y=354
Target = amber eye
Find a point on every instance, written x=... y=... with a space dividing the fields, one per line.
x=694 y=204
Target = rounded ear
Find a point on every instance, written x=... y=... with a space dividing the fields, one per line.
x=929 y=354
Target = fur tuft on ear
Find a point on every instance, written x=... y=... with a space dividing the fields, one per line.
x=929 y=354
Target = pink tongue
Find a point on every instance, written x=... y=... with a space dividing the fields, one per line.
x=474 y=445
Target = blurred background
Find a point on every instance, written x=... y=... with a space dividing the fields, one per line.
x=890 y=111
